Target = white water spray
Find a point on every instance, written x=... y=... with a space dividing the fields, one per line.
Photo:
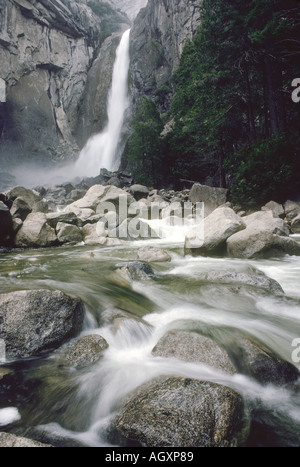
x=101 y=149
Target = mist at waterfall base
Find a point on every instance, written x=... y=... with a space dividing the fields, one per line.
x=101 y=150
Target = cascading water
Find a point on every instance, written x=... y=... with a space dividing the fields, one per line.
x=71 y=407
x=101 y=149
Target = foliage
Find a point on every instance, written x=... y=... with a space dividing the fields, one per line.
x=265 y=170
x=144 y=154
x=233 y=119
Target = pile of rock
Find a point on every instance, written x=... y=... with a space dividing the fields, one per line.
x=226 y=230
x=71 y=214
x=105 y=214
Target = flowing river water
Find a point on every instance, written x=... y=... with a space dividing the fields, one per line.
x=74 y=407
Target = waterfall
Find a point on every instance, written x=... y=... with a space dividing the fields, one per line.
x=101 y=149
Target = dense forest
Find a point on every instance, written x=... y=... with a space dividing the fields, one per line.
x=227 y=113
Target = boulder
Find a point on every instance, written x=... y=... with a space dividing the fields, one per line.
x=115 y=317
x=255 y=359
x=250 y=277
x=8 y=440
x=91 y=199
x=211 y=197
x=115 y=196
x=6 y=223
x=151 y=254
x=95 y=234
x=83 y=214
x=84 y=351
x=265 y=221
x=139 y=191
x=41 y=206
x=193 y=347
x=31 y=197
x=67 y=217
x=76 y=194
x=209 y=237
x=35 y=232
x=295 y=225
x=292 y=210
x=33 y=321
x=181 y=412
x=253 y=243
x=276 y=208
x=136 y=270
x=20 y=209
x=67 y=233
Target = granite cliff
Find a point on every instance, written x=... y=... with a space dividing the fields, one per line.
x=47 y=49
x=56 y=60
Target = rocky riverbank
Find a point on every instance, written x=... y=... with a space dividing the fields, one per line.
x=110 y=210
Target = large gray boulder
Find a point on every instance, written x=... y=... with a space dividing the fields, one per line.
x=181 y=412
x=90 y=200
x=33 y=321
x=193 y=347
x=250 y=277
x=152 y=254
x=84 y=351
x=116 y=198
x=266 y=222
x=67 y=217
x=254 y=243
x=253 y=358
x=67 y=233
x=276 y=208
x=35 y=232
x=29 y=196
x=209 y=237
x=212 y=197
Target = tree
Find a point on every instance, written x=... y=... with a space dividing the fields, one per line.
x=233 y=91
x=144 y=153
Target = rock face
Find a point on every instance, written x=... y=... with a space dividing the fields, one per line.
x=181 y=412
x=46 y=51
x=157 y=39
x=34 y=321
x=130 y=7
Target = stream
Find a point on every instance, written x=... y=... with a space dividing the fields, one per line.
x=74 y=407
